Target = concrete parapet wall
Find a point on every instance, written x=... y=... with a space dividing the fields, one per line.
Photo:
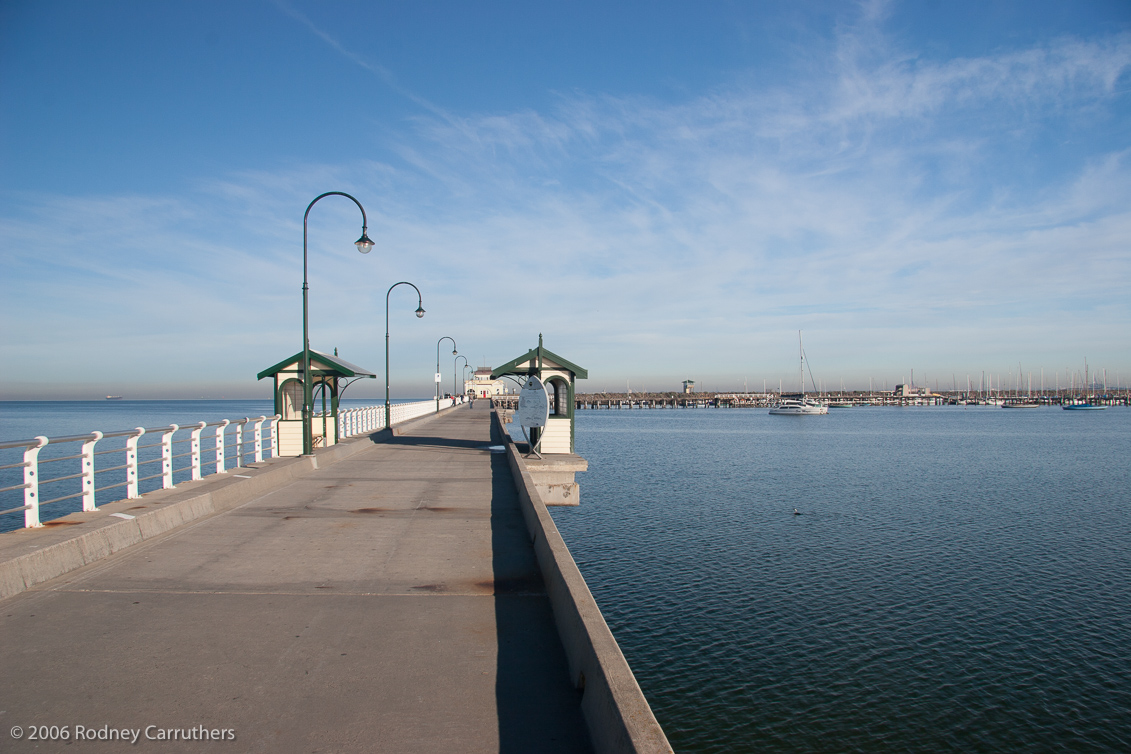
x=618 y=715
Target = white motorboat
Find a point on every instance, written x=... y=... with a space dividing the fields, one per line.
x=802 y=406
x=799 y=408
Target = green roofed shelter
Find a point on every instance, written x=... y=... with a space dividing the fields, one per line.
x=560 y=376
x=326 y=371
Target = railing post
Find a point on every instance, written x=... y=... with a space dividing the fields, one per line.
x=275 y=435
x=259 y=439
x=31 y=482
x=194 y=449
x=167 y=457
x=240 y=427
x=88 y=472
x=131 y=463
x=221 y=466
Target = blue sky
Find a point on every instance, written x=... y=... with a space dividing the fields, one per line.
x=665 y=190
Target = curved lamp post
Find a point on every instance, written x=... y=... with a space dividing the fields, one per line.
x=419 y=313
x=454 y=361
x=454 y=352
x=363 y=245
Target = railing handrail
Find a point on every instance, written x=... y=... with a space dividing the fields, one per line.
x=227 y=432
x=207 y=454
x=121 y=433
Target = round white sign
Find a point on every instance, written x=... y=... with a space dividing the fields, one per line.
x=533 y=404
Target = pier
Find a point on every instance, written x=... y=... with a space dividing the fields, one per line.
x=403 y=591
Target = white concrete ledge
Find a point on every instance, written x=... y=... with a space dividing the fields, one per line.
x=99 y=535
x=618 y=716
x=87 y=537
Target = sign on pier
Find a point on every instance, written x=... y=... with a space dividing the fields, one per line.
x=533 y=404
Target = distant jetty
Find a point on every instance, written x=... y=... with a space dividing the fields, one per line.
x=836 y=399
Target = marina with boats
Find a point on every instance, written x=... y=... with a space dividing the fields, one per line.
x=835 y=400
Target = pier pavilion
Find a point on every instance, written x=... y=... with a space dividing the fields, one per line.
x=327 y=372
x=554 y=472
x=560 y=376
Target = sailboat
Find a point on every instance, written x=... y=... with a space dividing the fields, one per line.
x=1027 y=401
x=799 y=407
x=1087 y=405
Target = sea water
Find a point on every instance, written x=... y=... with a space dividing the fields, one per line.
x=952 y=580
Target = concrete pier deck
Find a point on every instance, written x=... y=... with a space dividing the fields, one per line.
x=389 y=602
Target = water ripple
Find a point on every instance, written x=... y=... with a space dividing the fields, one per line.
x=957 y=581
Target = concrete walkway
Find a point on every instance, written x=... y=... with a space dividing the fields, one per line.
x=387 y=603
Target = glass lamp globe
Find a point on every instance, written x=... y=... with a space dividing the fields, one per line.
x=363 y=244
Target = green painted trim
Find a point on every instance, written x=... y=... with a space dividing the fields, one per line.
x=572 y=421
x=334 y=410
x=569 y=406
x=331 y=365
x=539 y=356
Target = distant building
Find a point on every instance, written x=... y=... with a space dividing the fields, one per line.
x=482 y=386
x=907 y=391
x=688 y=386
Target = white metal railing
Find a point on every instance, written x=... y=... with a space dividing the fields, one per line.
x=230 y=444
x=357 y=421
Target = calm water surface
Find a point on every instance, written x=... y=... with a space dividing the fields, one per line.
x=958 y=579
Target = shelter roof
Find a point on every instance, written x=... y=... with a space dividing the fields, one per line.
x=320 y=363
x=529 y=362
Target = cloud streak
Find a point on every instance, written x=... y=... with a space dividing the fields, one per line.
x=905 y=212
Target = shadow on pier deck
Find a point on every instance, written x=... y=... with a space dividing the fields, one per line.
x=389 y=601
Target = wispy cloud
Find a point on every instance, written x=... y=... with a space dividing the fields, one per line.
x=899 y=208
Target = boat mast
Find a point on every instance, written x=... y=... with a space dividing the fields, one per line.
x=801 y=369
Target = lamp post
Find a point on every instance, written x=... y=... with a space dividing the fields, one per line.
x=363 y=245
x=419 y=313
x=454 y=352
x=456 y=359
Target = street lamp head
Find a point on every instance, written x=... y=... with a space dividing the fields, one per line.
x=363 y=244
x=454 y=352
x=420 y=311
